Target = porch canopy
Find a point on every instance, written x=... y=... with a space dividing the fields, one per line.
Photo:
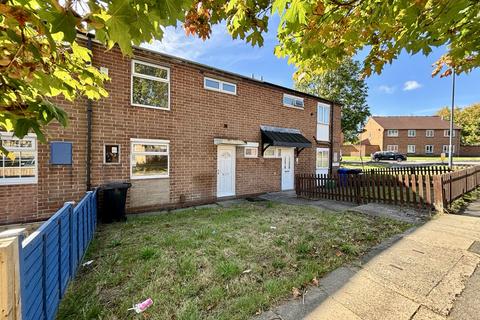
x=283 y=137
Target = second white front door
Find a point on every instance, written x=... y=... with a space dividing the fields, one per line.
x=288 y=168
x=225 y=171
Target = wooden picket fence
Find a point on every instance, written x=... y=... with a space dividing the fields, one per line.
x=457 y=183
x=417 y=170
x=421 y=191
x=402 y=189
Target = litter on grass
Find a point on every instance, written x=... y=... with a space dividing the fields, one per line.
x=142 y=306
x=89 y=262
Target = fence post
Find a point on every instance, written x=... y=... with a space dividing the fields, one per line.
x=10 y=291
x=438 y=194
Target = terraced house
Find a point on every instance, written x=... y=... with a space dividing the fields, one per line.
x=412 y=135
x=182 y=133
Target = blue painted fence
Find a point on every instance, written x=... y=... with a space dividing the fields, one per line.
x=49 y=257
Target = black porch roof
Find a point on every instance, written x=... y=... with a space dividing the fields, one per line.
x=283 y=137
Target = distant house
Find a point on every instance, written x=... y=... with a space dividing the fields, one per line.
x=411 y=135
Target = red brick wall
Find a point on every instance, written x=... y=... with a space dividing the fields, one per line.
x=196 y=117
x=470 y=151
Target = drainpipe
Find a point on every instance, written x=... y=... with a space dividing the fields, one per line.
x=89 y=124
x=330 y=127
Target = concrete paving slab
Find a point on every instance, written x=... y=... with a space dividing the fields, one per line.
x=332 y=310
x=439 y=238
x=424 y=313
x=441 y=298
x=394 y=212
x=412 y=268
x=363 y=296
x=467 y=304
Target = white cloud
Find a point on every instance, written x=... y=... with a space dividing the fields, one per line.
x=387 y=89
x=220 y=49
x=411 y=85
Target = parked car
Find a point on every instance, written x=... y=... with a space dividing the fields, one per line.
x=388 y=155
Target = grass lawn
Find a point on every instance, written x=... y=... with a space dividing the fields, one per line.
x=216 y=263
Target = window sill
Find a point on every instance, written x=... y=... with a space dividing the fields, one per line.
x=293 y=107
x=149 y=177
x=220 y=91
x=17 y=182
x=149 y=107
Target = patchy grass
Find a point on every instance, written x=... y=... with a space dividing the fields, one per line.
x=220 y=263
x=459 y=205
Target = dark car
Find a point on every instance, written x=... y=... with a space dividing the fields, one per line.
x=388 y=155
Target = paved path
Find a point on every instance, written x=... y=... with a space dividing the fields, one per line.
x=417 y=277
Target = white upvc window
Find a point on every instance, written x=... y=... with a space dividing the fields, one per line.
x=430 y=133
x=272 y=152
x=392 y=147
x=292 y=101
x=250 y=152
x=219 y=85
x=429 y=148
x=323 y=121
x=411 y=148
x=150 y=85
x=392 y=133
x=23 y=168
x=446 y=133
x=412 y=133
x=322 y=158
x=445 y=148
x=149 y=158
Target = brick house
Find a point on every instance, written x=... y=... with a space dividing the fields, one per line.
x=182 y=133
x=411 y=135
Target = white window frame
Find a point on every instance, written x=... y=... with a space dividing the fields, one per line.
x=323 y=119
x=428 y=135
x=411 y=148
x=446 y=133
x=34 y=149
x=413 y=133
x=277 y=153
x=392 y=133
x=285 y=95
x=134 y=141
x=253 y=155
x=144 y=76
x=220 y=85
x=325 y=155
x=392 y=147
x=104 y=154
x=445 y=148
x=426 y=147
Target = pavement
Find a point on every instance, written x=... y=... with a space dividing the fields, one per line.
x=429 y=272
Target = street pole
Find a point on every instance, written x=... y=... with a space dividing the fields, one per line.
x=450 y=146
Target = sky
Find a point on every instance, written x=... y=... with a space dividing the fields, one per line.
x=404 y=88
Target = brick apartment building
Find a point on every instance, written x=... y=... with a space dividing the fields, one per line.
x=411 y=135
x=182 y=133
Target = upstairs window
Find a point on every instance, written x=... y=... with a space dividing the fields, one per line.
x=412 y=133
x=323 y=122
x=22 y=169
x=150 y=86
x=219 y=85
x=430 y=133
x=392 y=133
x=150 y=159
x=446 y=133
x=292 y=101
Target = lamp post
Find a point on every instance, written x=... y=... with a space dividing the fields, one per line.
x=450 y=146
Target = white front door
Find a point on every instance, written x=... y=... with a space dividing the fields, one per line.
x=225 y=171
x=322 y=161
x=288 y=166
